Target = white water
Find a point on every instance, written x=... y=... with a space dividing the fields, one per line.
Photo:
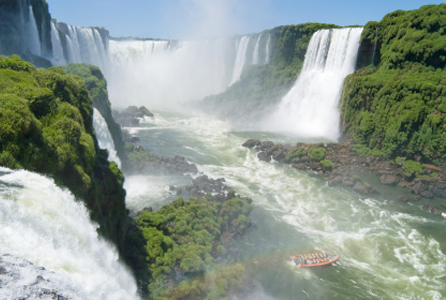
x=33 y=34
x=310 y=109
x=388 y=250
x=58 y=55
x=152 y=72
x=85 y=45
x=104 y=137
x=240 y=59
x=255 y=56
x=44 y=224
x=267 y=58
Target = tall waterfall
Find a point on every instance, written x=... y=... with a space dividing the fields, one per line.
x=104 y=137
x=310 y=109
x=166 y=72
x=47 y=226
x=240 y=59
x=255 y=56
x=33 y=34
x=58 y=54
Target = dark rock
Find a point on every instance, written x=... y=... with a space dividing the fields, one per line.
x=264 y=156
x=251 y=143
x=402 y=198
x=417 y=188
x=360 y=188
x=334 y=180
x=134 y=139
x=305 y=159
x=432 y=209
x=172 y=188
x=145 y=111
x=279 y=154
x=389 y=179
x=348 y=182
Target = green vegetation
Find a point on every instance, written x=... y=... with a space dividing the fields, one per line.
x=262 y=86
x=97 y=90
x=327 y=164
x=298 y=153
x=317 y=153
x=183 y=241
x=397 y=105
x=46 y=127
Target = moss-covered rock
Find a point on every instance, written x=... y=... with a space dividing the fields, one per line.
x=396 y=107
x=183 y=239
x=46 y=127
x=97 y=90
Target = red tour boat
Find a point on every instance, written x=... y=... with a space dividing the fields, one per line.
x=314 y=259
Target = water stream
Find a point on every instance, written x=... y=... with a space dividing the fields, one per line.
x=388 y=249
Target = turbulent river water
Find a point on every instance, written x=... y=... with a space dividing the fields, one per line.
x=387 y=249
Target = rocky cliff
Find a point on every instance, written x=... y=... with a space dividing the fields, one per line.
x=395 y=104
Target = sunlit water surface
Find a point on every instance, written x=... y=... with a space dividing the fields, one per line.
x=387 y=249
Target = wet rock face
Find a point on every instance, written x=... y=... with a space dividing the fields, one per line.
x=131 y=115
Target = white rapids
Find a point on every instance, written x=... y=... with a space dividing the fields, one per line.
x=45 y=225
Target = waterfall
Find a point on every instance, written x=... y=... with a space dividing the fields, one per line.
x=267 y=59
x=130 y=51
x=310 y=109
x=240 y=59
x=47 y=226
x=85 y=45
x=167 y=72
x=58 y=55
x=104 y=137
x=255 y=56
x=33 y=34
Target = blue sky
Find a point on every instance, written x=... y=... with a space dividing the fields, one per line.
x=183 y=19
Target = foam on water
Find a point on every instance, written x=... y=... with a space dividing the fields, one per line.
x=44 y=224
x=376 y=241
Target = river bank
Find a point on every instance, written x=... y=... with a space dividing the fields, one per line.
x=341 y=166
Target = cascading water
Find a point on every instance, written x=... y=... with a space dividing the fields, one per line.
x=267 y=59
x=58 y=55
x=165 y=73
x=44 y=224
x=240 y=59
x=33 y=34
x=104 y=137
x=310 y=109
x=255 y=56
x=85 y=45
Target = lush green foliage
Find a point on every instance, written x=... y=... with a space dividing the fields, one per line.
x=398 y=108
x=327 y=164
x=97 y=90
x=184 y=237
x=317 y=153
x=46 y=127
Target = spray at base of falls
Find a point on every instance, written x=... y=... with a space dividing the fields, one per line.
x=104 y=137
x=44 y=224
x=310 y=109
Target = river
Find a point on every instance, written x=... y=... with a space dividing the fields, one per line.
x=387 y=249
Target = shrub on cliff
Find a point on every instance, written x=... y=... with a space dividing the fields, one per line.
x=397 y=108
